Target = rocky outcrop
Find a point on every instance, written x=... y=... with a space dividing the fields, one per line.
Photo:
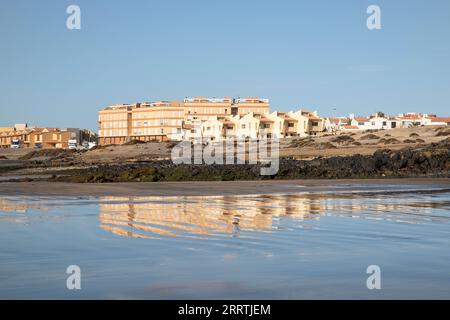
x=431 y=160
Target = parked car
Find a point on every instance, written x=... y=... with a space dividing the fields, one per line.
x=16 y=144
x=73 y=144
x=38 y=146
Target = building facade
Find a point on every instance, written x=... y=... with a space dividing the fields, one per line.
x=45 y=138
x=173 y=120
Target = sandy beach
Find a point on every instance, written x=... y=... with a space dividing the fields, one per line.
x=210 y=188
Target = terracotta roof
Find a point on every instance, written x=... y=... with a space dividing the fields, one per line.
x=266 y=120
x=440 y=119
x=351 y=127
x=361 y=119
x=335 y=120
x=411 y=116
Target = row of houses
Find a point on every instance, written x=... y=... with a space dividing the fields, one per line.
x=206 y=118
x=22 y=136
x=379 y=121
x=255 y=125
x=217 y=118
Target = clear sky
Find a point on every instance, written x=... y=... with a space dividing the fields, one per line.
x=314 y=54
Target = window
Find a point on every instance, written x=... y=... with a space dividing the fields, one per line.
x=384 y=123
x=243 y=126
x=290 y=124
x=360 y=123
x=162 y=130
x=315 y=123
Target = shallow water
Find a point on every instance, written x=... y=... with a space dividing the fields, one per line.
x=283 y=246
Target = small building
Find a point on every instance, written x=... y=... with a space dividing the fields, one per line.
x=438 y=121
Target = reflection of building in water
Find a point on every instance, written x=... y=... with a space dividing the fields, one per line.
x=175 y=216
x=17 y=210
x=184 y=216
x=7 y=205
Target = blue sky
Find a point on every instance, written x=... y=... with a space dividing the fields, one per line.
x=316 y=54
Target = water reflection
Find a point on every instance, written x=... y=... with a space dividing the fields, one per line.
x=148 y=217
x=217 y=216
x=20 y=205
x=199 y=215
x=16 y=210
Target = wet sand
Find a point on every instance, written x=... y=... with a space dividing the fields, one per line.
x=212 y=188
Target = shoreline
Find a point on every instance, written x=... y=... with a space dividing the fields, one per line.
x=217 y=188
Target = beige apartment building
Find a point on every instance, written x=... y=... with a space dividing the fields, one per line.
x=255 y=105
x=159 y=121
x=148 y=121
x=198 y=108
x=114 y=124
x=169 y=120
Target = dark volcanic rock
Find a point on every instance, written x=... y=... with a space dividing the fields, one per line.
x=430 y=160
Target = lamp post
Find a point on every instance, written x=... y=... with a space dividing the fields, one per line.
x=333 y=129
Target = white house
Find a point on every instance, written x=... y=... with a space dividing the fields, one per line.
x=211 y=128
x=437 y=121
x=374 y=123
x=408 y=120
x=248 y=126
